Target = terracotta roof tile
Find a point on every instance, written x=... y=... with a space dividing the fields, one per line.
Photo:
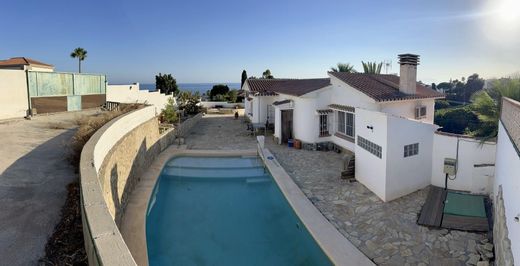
x=295 y=87
x=383 y=88
x=20 y=61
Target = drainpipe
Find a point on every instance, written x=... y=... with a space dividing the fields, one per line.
x=29 y=111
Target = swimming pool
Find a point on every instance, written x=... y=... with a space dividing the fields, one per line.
x=224 y=211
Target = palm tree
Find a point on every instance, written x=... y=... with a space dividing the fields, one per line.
x=79 y=53
x=486 y=104
x=372 y=67
x=343 y=68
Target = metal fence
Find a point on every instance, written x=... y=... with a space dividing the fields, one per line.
x=64 y=84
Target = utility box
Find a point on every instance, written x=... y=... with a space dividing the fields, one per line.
x=450 y=166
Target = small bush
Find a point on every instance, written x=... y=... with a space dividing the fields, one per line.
x=169 y=114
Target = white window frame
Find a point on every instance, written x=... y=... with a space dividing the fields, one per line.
x=345 y=127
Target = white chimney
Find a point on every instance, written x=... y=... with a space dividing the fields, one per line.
x=408 y=75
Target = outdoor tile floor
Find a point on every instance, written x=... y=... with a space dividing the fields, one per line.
x=385 y=232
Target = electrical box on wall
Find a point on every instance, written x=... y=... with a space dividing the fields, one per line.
x=450 y=166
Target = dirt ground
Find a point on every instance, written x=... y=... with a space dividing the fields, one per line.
x=34 y=174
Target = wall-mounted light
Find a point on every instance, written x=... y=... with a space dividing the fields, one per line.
x=371 y=128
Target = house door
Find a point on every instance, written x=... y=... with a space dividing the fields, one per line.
x=287 y=125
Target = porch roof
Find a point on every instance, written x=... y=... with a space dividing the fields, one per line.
x=342 y=107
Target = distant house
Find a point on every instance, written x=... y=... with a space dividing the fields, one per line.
x=32 y=87
x=24 y=63
x=387 y=120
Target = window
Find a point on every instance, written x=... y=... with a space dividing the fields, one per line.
x=346 y=123
x=324 y=125
x=370 y=146
x=411 y=150
x=420 y=112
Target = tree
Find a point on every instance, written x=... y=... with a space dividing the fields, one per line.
x=348 y=68
x=166 y=84
x=233 y=96
x=189 y=102
x=372 y=67
x=267 y=74
x=486 y=104
x=244 y=78
x=219 y=89
x=458 y=120
x=169 y=113
x=80 y=54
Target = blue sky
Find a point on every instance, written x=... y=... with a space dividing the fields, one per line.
x=212 y=41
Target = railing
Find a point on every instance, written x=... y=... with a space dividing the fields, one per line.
x=110 y=106
x=510 y=117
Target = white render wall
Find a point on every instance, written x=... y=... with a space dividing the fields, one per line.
x=132 y=94
x=405 y=175
x=343 y=94
x=13 y=91
x=370 y=169
x=471 y=152
x=259 y=108
x=507 y=175
x=407 y=108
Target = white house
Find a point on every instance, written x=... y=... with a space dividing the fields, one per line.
x=24 y=63
x=386 y=120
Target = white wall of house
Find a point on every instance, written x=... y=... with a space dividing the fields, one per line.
x=405 y=175
x=40 y=69
x=13 y=91
x=371 y=170
x=507 y=176
x=133 y=94
x=407 y=108
x=343 y=94
x=471 y=153
x=259 y=108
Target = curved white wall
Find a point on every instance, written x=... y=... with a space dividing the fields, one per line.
x=118 y=130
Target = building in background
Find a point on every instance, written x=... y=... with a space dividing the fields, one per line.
x=30 y=87
x=24 y=63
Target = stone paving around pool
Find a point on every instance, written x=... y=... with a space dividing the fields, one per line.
x=385 y=232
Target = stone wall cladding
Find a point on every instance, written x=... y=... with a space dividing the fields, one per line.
x=510 y=117
x=125 y=163
x=503 y=253
x=104 y=193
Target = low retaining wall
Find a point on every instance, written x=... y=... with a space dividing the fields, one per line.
x=111 y=164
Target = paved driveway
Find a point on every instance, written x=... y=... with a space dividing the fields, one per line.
x=34 y=172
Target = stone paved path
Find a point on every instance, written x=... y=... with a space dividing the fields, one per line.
x=385 y=232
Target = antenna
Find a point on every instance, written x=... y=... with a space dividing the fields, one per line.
x=388 y=65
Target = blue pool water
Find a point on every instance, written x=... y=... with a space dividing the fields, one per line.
x=224 y=211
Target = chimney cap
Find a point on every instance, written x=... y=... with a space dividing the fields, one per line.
x=408 y=59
